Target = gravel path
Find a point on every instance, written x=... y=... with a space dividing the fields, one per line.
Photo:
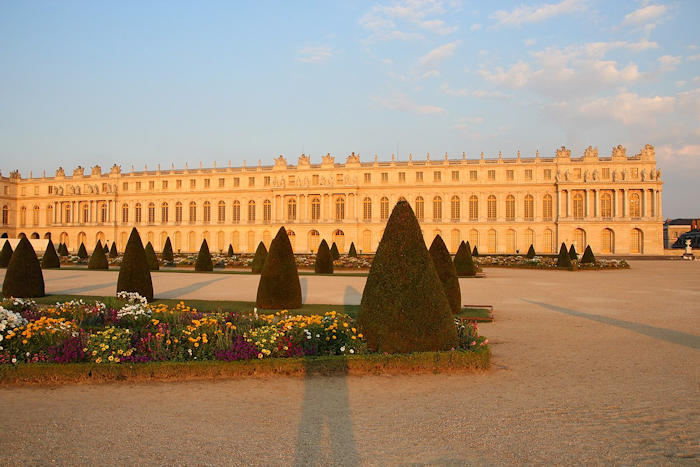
x=589 y=367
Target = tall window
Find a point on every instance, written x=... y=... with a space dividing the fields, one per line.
x=221 y=211
x=607 y=241
x=510 y=208
x=636 y=245
x=193 y=212
x=151 y=213
x=207 y=211
x=491 y=208
x=420 y=208
x=291 y=209
x=164 y=213
x=86 y=213
x=635 y=207
x=384 y=208
x=547 y=239
x=68 y=212
x=23 y=216
x=125 y=213
x=606 y=205
x=178 y=212
x=251 y=211
x=547 y=207
x=437 y=208
x=578 y=206
x=49 y=215
x=473 y=208
x=267 y=210
x=367 y=209
x=103 y=213
x=236 y=214
x=580 y=240
x=529 y=208
x=455 y=206
x=5 y=215
x=315 y=209
x=339 y=208
x=314 y=240
x=492 y=241
x=530 y=238
x=137 y=213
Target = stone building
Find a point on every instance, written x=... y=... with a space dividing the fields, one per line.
x=500 y=204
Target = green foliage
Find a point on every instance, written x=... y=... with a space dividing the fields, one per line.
x=463 y=262
x=167 y=254
x=82 y=251
x=151 y=257
x=5 y=254
x=324 y=262
x=259 y=258
x=50 y=259
x=134 y=275
x=63 y=249
x=352 y=252
x=98 y=259
x=404 y=307
x=203 y=262
x=475 y=251
x=446 y=272
x=572 y=253
x=23 y=277
x=229 y=253
x=106 y=248
x=588 y=256
x=113 y=250
x=279 y=286
x=564 y=261
x=335 y=254
x=531 y=252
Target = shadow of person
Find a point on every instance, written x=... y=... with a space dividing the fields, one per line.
x=325 y=435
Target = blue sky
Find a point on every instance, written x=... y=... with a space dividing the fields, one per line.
x=131 y=82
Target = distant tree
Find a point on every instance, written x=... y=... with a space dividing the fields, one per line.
x=134 y=275
x=106 y=248
x=63 y=249
x=230 y=250
x=324 y=262
x=82 y=251
x=335 y=254
x=23 y=277
x=475 y=251
x=447 y=273
x=259 y=258
x=50 y=259
x=588 y=256
x=151 y=257
x=531 y=252
x=203 y=262
x=98 y=260
x=572 y=253
x=167 y=254
x=464 y=263
x=113 y=250
x=563 y=260
x=352 y=252
x=5 y=254
x=279 y=286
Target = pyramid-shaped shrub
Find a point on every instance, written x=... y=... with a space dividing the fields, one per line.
x=82 y=251
x=50 y=260
x=588 y=256
x=229 y=253
x=335 y=254
x=447 y=273
x=573 y=255
x=279 y=286
x=203 y=262
x=352 y=252
x=151 y=257
x=98 y=259
x=259 y=258
x=113 y=253
x=63 y=249
x=106 y=248
x=475 y=251
x=404 y=307
x=23 y=277
x=324 y=263
x=564 y=261
x=464 y=263
x=5 y=254
x=167 y=254
x=134 y=275
x=531 y=252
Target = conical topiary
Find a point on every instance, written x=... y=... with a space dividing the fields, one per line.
x=352 y=252
x=203 y=262
x=151 y=257
x=464 y=263
x=23 y=277
x=134 y=275
x=588 y=256
x=335 y=254
x=113 y=250
x=324 y=263
x=475 y=251
x=167 y=254
x=531 y=252
x=404 y=307
x=50 y=260
x=564 y=261
x=63 y=249
x=447 y=273
x=279 y=286
x=572 y=253
x=259 y=258
x=229 y=253
x=105 y=248
x=82 y=251
x=5 y=254
x=98 y=259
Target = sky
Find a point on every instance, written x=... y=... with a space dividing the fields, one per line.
x=162 y=82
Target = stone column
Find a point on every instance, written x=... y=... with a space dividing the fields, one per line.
x=624 y=203
x=568 y=203
x=585 y=203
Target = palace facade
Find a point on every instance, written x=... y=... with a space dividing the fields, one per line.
x=502 y=205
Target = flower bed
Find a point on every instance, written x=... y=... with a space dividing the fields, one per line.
x=128 y=330
x=546 y=262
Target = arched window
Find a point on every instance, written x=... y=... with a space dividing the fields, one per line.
x=339 y=239
x=529 y=208
x=636 y=241
x=548 y=246
x=607 y=241
x=267 y=211
x=315 y=209
x=193 y=212
x=49 y=215
x=491 y=208
x=547 y=207
x=164 y=213
x=437 y=208
x=384 y=208
x=291 y=209
x=420 y=208
x=511 y=241
x=178 y=212
x=251 y=211
x=207 y=211
x=580 y=240
x=455 y=239
x=267 y=239
x=292 y=238
x=635 y=207
x=530 y=239
x=473 y=208
x=221 y=212
x=510 y=208
x=578 y=206
x=314 y=237
x=151 y=213
x=23 y=216
x=35 y=215
x=339 y=208
x=86 y=213
x=492 y=241
x=455 y=208
x=137 y=213
x=367 y=210
x=606 y=205
x=473 y=238
x=5 y=215
x=367 y=241
x=236 y=214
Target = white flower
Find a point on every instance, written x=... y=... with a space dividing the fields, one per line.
x=352 y=351
x=14 y=360
x=342 y=349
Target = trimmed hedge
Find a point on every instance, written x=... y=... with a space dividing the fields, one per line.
x=279 y=286
x=324 y=262
x=352 y=252
x=82 y=251
x=50 y=260
x=475 y=251
x=98 y=259
x=563 y=260
x=113 y=253
x=404 y=307
x=134 y=275
x=106 y=248
x=229 y=253
x=151 y=257
x=447 y=273
x=259 y=258
x=167 y=253
x=464 y=263
x=588 y=256
x=63 y=249
x=572 y=253
x=5 y=254
x=530 y=252
x=203 y=263
x=23 y=277
x=335 y=254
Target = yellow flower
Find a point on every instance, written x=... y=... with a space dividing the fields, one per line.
x=360 y=335
x=99 y=360
x=111 y=358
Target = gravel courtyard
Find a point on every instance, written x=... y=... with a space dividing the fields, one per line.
x=588 y=367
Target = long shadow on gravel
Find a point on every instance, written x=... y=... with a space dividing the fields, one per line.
x=325 y=435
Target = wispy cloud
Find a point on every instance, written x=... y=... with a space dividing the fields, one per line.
x=478 y=93
x=402 y=103
x=534 y=14
x=438 y=55
x=475 y=27
x=314 y=54
x=407 y=19
x=669 y=62
x=644 y=15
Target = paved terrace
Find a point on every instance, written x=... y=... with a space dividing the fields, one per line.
x=589 y=367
